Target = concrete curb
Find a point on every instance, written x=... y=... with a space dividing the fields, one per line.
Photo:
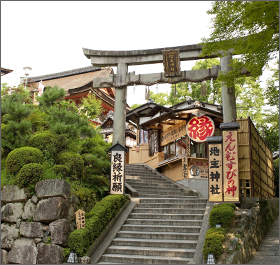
x=198 y=255
x=104 y=240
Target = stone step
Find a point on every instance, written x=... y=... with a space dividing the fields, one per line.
x=166 y=216
x=161 y=243
x=163 y=196
x=169 y=210
x=144 y=178
x=158 y=235
x=149 y=251
x=163 y=222
x=157 y=183
x=155 y=189
x=160 y=228
x=172 y=205
x=188 y=199
x=137 y=259
x=166 y=192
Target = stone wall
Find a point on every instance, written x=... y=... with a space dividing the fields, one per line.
x=253 y=219
x=35 y=229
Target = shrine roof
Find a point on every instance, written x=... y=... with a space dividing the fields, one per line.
x=63 y=74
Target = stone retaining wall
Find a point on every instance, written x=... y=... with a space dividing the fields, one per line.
x=35 y=229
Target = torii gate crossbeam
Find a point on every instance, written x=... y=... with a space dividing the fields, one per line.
x=123 y=59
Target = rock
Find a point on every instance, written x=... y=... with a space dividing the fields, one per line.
x=85 y=260
x=11 y=212
x=31 y=229
x=4 y=256
x=29 y=210
x=49 y=254
x=52 y=188
x=12 y=193
x=47 y=236
x=23 y=251
x=34 y=199
x=8 y=236
x=49 y=210
x=233 y=244
x=60 y=230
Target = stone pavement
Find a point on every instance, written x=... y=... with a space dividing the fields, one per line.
x=269 y=248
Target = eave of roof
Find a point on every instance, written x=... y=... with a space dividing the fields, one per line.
x=64 y=74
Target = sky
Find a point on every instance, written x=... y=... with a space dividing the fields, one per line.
x=48 y=36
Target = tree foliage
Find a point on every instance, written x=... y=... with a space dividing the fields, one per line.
x=250 y=28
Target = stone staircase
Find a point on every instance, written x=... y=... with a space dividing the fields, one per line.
x=163 y=228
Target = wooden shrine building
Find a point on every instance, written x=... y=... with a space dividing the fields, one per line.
x=77 y=84
x=172 y=141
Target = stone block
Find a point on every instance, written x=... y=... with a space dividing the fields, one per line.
x=85 y=260
x=60 y=230
x=31 y=229
x=23 y=251
x=51 y=209
x=49 y=254
x=12 y=193
x=8 y=236
x=4 y=256
x=29 y=210
x=52 y=188
x=11 y=212
x=34 y=199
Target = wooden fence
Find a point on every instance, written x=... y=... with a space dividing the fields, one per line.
x=255 y=162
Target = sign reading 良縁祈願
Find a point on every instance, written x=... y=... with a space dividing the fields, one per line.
x=117 y=183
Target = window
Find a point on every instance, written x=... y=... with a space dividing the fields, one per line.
x=198 y=149
x=175 y=148
x=245 y=188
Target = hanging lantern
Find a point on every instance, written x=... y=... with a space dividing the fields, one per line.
x=73 y=258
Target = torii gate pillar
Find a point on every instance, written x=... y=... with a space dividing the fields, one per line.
x=120 y=106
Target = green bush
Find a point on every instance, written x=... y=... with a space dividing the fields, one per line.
x=74 y=162
x=214 y=242
x=96 y=221
x=29 y=175
x=19 y=157
x=46 y=142
x=222 y=214
x=61 y=170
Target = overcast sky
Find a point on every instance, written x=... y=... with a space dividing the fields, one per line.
x=48 y=36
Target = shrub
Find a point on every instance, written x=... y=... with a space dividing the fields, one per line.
x=46 y=142
x=17 y=158
x=61 y=170
x=214 y=242
x=74 y=162
x=96 y=221
x=222 y=214
x=29 y=175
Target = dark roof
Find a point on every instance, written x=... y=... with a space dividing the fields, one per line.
x=146 y=110
x=64 y=74
x=5 y=71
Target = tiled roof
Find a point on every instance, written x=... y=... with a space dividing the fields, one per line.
x=64 y=74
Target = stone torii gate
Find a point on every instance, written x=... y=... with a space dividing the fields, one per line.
x=123 y=59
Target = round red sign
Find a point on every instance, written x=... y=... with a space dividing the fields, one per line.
x=198 y=128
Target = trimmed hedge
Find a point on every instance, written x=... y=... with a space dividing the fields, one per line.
x=96 y=221
x=19 y=157
x=222 y=214
x=214 y=242
x=74 y=162
x=46 y=142
x=29 y=175
x=61 y=170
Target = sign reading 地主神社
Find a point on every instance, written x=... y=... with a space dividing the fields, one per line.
x=117 y=185
x=199 y=128
x=215 y=172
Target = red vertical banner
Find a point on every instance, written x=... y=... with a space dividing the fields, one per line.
x=230 y=166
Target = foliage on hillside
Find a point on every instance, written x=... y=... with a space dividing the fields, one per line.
x=60 y=133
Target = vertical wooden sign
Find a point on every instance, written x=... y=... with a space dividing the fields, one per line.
x=230 y=165
x=117 y=185
x=80 y=219
x=184 y=167
x=215 y=172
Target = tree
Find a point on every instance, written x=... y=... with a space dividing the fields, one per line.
x=250 y=28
